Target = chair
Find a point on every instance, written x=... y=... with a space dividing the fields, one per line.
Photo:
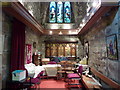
x=51 y=62
x=31 y=82
x=61 y=70
x=75 y=76
x=40 y=75
x=69 y=67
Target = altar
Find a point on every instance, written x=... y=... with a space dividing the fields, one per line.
x=51 y=69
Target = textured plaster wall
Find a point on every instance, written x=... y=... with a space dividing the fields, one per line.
x=6 y=36
x=96 y=37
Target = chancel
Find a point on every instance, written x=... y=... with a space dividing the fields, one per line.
x=67 y=44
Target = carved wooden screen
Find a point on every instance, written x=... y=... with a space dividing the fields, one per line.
x=61 y=49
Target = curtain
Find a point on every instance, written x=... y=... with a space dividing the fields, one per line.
x=18 y=46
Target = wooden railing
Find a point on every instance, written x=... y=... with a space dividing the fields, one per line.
x=105 y=79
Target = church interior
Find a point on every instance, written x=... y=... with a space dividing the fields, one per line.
x=63 y=44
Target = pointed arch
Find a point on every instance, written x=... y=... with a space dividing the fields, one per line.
x=59 y=12
x=67 y=12
x=52 y=12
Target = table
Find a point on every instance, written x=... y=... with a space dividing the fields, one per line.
x=51 y=69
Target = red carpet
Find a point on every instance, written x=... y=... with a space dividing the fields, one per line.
x=51 y=83
x=56 y=85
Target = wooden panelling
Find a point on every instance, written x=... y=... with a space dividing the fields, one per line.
x=60 y=49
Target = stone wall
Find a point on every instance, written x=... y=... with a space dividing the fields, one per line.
x=58 y=38
x=79 y=11
x=108 y=24
x=6 y=35
x=40 y=11
x=32 y=36
x=1 y=46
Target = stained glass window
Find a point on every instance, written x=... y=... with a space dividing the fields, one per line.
x=52 y=13
x=67 y=12
x=59 y=12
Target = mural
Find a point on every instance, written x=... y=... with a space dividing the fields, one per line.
x=112 y=47
x=28 y=53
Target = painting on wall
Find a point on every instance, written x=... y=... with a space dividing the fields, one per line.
x=28 y=53
x=112 y=47
x=86 y=48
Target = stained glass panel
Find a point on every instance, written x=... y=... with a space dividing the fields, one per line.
x=59 y=12
x=60 y=50
x=48 y=52
x=73 y=52
x=67 y=12
x=53 y=50
x=52 y=15
x=67 y=50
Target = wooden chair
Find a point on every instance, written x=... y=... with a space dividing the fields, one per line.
x=69 y=67
x=61 y=70
x=31 y=82
x=74 y=76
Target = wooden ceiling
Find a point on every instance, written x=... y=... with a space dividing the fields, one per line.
x=18 y=11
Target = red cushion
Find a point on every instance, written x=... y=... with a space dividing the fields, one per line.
x=40 y=74
x=73 y=75
x=52 y=62
x=34 y=80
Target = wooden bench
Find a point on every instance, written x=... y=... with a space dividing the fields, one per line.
x=105 y=79
x=89 y=83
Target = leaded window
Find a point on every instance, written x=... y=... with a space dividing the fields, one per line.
x=60 y=12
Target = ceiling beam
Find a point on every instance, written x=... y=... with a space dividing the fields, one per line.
x=63 y=31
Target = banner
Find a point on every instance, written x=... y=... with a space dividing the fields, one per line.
x=28 y=53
